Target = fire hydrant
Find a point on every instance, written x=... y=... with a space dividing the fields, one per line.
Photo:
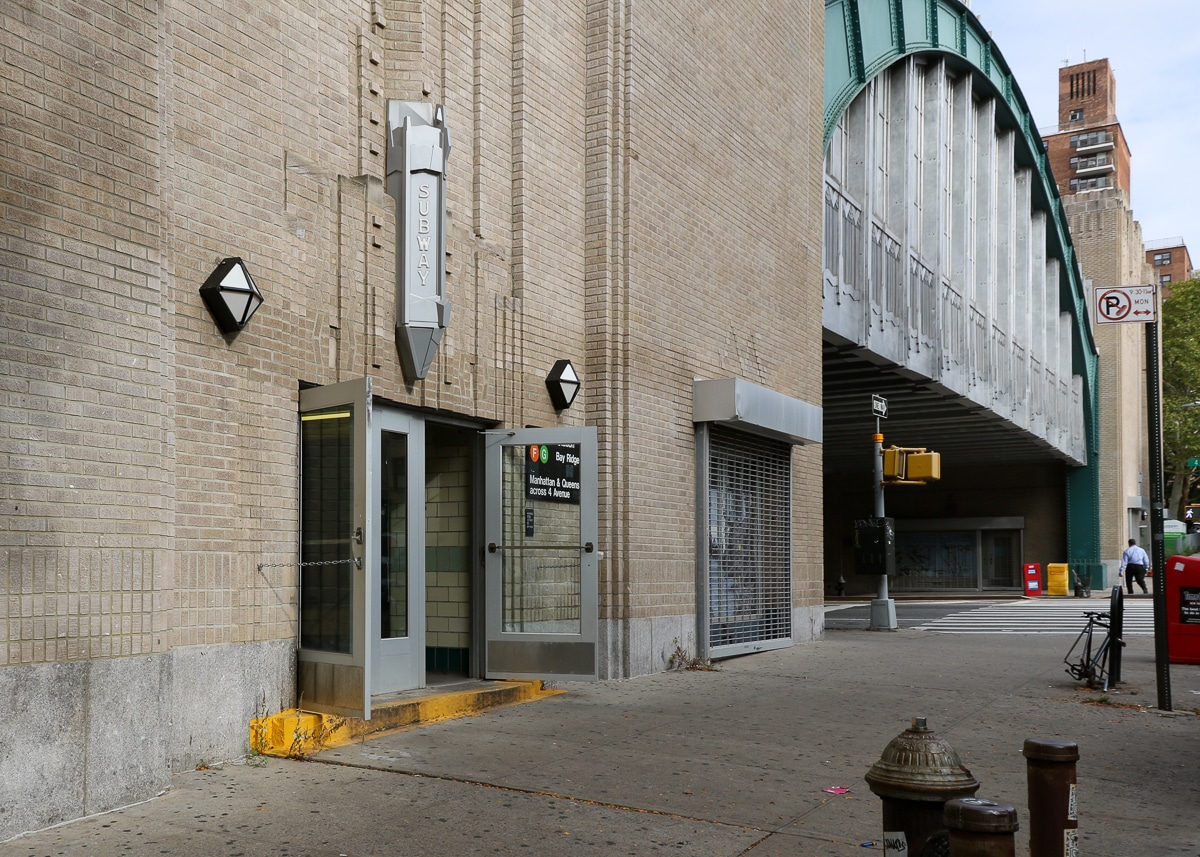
x=915 y=776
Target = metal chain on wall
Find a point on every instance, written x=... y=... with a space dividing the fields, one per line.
x=356 y=560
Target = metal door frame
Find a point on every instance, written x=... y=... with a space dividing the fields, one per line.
x=338 y=683
x=509 y=654
x=385 y=677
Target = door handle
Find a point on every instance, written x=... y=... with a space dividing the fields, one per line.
x=588 y=547
x=493 y=547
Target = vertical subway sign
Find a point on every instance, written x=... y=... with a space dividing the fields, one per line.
x=418 y=147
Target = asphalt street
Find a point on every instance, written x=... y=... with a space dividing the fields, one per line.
x=1013 y=615
x=909 y=614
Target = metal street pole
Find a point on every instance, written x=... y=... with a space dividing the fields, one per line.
x=883 y=608
x=1157 y=563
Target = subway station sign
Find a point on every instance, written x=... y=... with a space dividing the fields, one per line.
x=552 y=472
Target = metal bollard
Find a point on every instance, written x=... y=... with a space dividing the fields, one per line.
x=915 y=776
x=981 y=828
x=1053 y=815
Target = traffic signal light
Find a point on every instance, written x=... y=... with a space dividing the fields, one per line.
x=924 y=466
x=893 y=463
x=904 y=464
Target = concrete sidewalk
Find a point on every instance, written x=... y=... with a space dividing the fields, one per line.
x=725 y=762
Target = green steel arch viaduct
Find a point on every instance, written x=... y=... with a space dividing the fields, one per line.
x=865 y=37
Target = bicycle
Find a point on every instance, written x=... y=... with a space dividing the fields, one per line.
x=1093 y=663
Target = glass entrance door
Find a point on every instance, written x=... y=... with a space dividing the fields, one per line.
x=1001 y=566
x=396 y=559
x=333 y=669
x=362 y=543
x=540 y=556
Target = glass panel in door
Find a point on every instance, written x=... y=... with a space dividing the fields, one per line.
x=393 y=536
x=541 y=573
x=327 y=529
x=333 y=661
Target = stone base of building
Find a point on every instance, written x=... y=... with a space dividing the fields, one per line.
x=109 y=733
x=637 y=647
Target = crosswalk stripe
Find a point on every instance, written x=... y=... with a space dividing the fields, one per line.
x=1041 y=617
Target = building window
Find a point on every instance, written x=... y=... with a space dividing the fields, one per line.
x=1163 y=258
x=1095 y=161
x=1091 y=138
x=1095 y=183
x=1164 y=279
x=1076 y=115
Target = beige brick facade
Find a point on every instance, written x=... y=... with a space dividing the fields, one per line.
x=635 y=187
x=1109 y=243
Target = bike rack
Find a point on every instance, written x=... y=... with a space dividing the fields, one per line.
x=1116 y=631
x=1099 y=663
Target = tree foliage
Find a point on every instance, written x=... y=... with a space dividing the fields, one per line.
x=1181 y=392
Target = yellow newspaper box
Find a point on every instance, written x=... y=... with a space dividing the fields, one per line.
x=1058 y=578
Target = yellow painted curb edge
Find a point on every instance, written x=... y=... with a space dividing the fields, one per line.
x=296 y=734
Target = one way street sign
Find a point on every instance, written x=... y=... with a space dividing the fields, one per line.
x=1126 y=304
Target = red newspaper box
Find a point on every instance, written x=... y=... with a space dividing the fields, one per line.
x=1033 y=579
x=1182 y=578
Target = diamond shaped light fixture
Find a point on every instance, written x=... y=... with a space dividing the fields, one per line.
x=563 y=384
x=230 y=295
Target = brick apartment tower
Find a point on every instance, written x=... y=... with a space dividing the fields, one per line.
x=1089 y=151
x=1170 y=260
x=1091 y=163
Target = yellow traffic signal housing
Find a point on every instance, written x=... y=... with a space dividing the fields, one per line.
x=923 y=466
x=911 y=466
x=893 y=463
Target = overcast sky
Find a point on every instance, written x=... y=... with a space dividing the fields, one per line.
x=1153 y=47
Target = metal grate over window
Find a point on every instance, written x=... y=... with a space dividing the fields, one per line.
x=749 y=542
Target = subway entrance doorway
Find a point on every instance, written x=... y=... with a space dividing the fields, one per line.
x=430 y=553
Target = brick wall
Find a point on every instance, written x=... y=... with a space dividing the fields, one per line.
x=633 y=229
x=86 y=439
x=1176 y=263
x=634 y=187
x=1087 y=101
x=1088 y=87
x=1108 y=242
x=707 y=283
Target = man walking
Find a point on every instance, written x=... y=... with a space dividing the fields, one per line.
x=1134 y=561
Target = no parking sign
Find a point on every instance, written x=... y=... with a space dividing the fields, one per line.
x=1126 y=304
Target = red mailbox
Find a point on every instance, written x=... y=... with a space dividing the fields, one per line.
x=1182 y=577
x=1033 y=579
